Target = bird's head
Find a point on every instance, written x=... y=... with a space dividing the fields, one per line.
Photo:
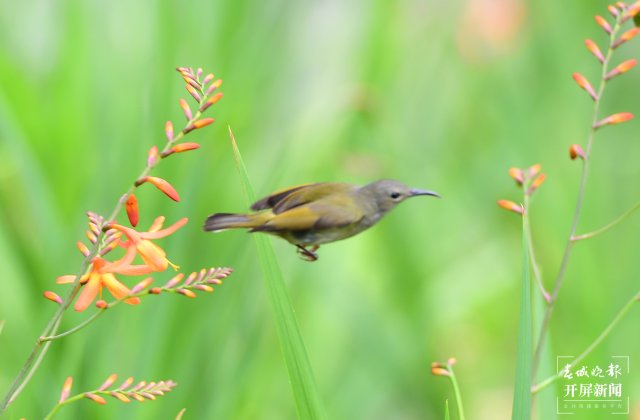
x=388 y=193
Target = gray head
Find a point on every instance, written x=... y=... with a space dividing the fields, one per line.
x=388 y=193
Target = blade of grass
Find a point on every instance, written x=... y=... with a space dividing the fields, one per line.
x=524 y=353
x=446 y=410
x=303 y=384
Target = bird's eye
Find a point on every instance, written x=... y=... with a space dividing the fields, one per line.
x=395 y=195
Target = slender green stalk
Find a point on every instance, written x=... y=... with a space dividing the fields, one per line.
x=608 y=226
x=559 y=280
x=521 y=393
x=303 y=385
x=456 y=392
x=616 y=320
x=38 y=352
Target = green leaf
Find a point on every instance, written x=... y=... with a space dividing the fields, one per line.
x=524 y=354
x=303 y=385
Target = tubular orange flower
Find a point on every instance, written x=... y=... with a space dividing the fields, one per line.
x=203 y=122
x=102 y=275
x=153 y=256
x=52 y=297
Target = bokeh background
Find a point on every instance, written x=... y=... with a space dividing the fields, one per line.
x=440 y=95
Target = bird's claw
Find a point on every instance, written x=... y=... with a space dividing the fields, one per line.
x=308 y=254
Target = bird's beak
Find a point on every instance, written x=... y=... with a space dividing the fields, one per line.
x=416 y=191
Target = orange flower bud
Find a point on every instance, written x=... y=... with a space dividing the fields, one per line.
x=438 y=371
x=517 y=174
x=108 y=382
x=141 y=286
x=95 y=398
x=174 y=281
x=631 y=12
x=215 y=85
x=155 y=290
x=190 y=81
x=186 y=292
x=83 y=249
x=152 y=155
x=207 y=79
x=576 y=151
x=623 y=67
x=185 y=108
x=511 y=206
x=614 y=119
x=627 y=36
x=203 y=122
x=534 y=170
x=66 y=389
x=168 y=130
x=194 y=93
x=584 y=84
x=593 y=48
x=183 y=147
x=603 y=24
x=92 y=237
x=52 y=297
x=203 y=287
x=126 y=384
x=101 y=304
x=614 y=12
x=212 y=100
x=131 y=206
x=536 y=183
x=123 y=398
x=160 y=184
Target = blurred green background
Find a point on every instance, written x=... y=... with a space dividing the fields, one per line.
x=440 y=95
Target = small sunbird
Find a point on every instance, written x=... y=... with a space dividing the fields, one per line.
x=314 y=214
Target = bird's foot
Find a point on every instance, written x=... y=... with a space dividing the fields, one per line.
x=308 y=254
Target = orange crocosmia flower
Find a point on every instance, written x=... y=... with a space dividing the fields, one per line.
x=102 y=275
x=153 y=256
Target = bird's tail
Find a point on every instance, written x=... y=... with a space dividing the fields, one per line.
x=221 y=221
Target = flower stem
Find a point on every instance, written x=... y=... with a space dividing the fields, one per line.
x=456 y=391
x=578 y=209
x=616 y=320
x=607 y=227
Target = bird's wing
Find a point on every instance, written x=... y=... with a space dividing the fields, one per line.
x=284 y=200
x=320 y=215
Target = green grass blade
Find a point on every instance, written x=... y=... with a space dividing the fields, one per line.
x=524 y=355
x=446 y=410
x=305 y=392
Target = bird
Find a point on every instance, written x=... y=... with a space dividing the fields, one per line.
x=311 y=215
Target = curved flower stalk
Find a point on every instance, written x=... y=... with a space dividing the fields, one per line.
x=125 y=393
x=105 y=234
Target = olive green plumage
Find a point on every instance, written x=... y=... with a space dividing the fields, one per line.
x=314 y=214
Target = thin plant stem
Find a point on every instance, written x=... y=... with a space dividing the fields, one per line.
x=456 y=391
x=38 y=351
x=608 y=226
x=559 y=280
x=616 y=320
x=537 y=274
